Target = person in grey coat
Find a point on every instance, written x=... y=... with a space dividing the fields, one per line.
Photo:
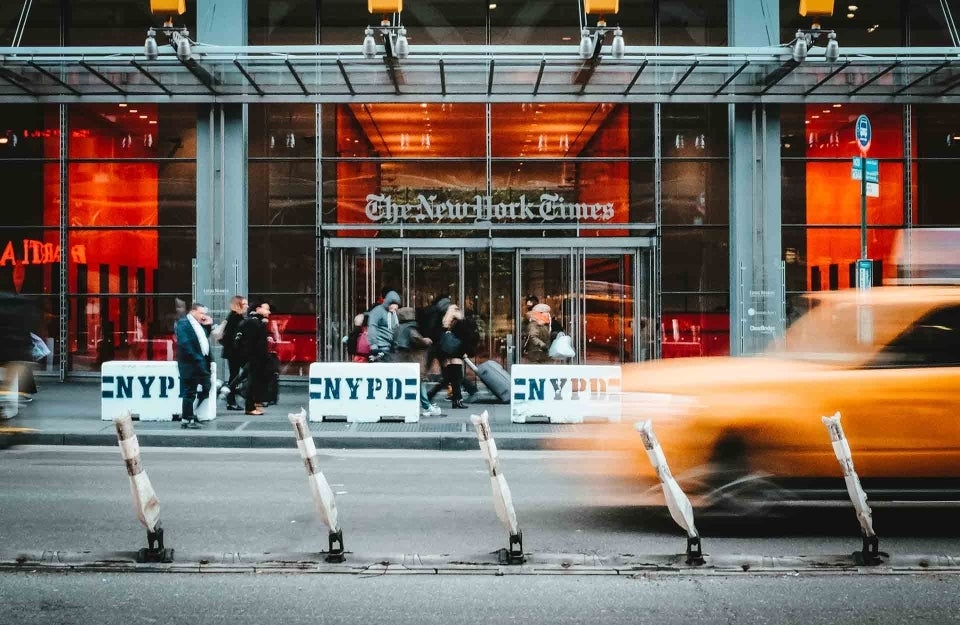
x=411 y=345
x=382 y=326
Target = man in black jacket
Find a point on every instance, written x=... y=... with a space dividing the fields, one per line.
x=238 y=309
x=251 y=342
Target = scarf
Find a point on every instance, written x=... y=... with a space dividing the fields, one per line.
x=201 y=335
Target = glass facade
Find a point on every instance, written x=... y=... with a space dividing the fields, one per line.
x=617 y=215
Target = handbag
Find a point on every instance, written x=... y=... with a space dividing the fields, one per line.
x=450 y=344
x=562 y=347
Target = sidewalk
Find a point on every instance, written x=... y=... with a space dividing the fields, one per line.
x=69 y=414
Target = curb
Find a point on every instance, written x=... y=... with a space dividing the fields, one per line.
x=444 y=441
x=471 y=564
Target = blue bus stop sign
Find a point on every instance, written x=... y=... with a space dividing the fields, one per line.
x=864 y=133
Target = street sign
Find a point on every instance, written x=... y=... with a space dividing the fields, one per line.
x=864 y=273
x=864 y=133
x=873 y=175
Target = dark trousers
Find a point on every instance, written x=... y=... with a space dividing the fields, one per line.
x=452 y=375
x=256 y=386
x=234 y=365
x=190 y=394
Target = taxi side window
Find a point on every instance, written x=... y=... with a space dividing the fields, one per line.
x=933 y=341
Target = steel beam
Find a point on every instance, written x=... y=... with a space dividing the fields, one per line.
x=299 y=80
x=536 y=86
x=96 y=73
x=247 y=75
x=925 y=76
x=876 y=77
x=143 y=70
x=732 y=77
x=636 y=77
x=684 y=77
x=346 y=79
x=827 y=78
x=16 y=80
x=54 y=78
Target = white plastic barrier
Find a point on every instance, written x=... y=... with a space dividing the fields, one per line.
x=323 y=497
x=145 y=501
x=150 y=390
x=857 y=495
x=365 y=392
x=502 y=499
x=677 y=501
x=565 y=393
x=9 y=393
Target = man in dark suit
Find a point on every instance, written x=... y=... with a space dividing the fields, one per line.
x=193 y=361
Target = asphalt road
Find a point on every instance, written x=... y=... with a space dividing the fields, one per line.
x=391 y=502
x=108 y=599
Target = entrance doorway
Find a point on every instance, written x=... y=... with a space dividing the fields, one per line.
x=600 y=296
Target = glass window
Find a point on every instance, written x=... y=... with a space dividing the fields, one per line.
x=99 y=260
x=694 y=131
x=43 y=25
x=933 y=341
x=282 y=259
x=874 y=24
x=32 y=191
x=695 y=325
x=695 y=259
x=118 y=22
x=28 y=131
x=554 y=22
x=282 y=192
x=937 y=141
x=695 y=192
x=148 y=193
x=282 y=22
x=823 y=259
x=428 y=22
x=693 y=23
x=282 y=131
x=120 y=131
x=138 y=326
x=928 y=26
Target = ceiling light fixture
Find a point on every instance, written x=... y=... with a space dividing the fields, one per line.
x=393 y=34
x=592 y=37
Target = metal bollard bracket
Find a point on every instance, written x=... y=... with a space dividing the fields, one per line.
x=154 y=551
x=870 y=555
x=694 y=551
x=515 y=552
x=336 y=553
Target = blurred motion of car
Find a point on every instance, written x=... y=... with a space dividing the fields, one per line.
x=737 y=431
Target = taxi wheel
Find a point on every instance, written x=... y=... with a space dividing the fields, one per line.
x=734 y=490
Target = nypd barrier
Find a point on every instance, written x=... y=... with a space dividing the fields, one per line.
x=564 y=393
x=149 y=390
x=365 y=392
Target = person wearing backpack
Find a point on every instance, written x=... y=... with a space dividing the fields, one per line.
x=358 y=341
x=238 y=308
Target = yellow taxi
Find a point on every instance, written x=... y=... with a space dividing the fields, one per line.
x=734 y=428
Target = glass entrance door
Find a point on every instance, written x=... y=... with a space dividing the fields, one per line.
x=601 y=297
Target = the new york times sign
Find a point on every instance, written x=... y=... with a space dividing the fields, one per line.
x=549 y=207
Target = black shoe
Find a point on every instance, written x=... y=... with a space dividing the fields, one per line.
x=234 y=407
x=191 y=424
x=458 y=404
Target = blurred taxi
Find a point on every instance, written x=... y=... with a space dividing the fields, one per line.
x=888 y=360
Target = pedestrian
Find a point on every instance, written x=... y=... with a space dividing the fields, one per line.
x=452 y=350
x=432 y=327
x=193 y=362
x=16 y=347
x=358 y=341
x=531 y=301
x=382 y=325
x=536 y=339
x=238 y=309
x=411 y=346
x=251 y=341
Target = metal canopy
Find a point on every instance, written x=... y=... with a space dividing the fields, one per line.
x=478 y=74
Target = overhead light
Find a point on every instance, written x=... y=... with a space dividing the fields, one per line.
x=369 y=43
x=586 y=44
x=122 y=105
x=567 y=38
x=403 y=48
x=150 y=48
x=852 y=7
x=814 y=117
x=133 y=111
x=144 y=116
x=873 y=28
x=800 y=47
x=832 y=52
x=184 y=52
x=4 y=140
x=493 y=5
x=617 y=49
x=836 y=106
x=851 y=15
x=153 y=121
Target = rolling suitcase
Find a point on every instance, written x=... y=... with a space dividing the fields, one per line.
x=494 y=377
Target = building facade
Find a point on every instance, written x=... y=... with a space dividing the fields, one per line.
x=677 y=200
